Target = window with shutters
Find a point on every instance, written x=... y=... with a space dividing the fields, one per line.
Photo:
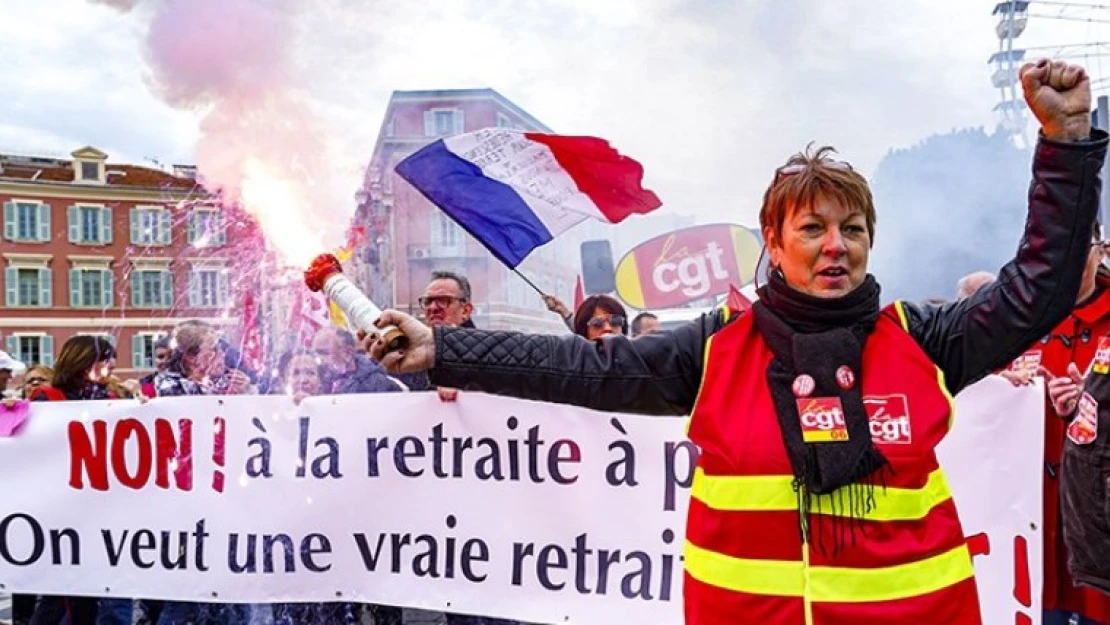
x=142 y=349
x=150 y=225
x=26 y=221
x=32 y=349
x=151 y=288
x=90 y=225
x=90 y=288
x=440 y=122
x=206 y=228
x=28 y=287
x=208 y=288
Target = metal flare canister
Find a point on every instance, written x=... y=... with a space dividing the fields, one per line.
x=326 y=274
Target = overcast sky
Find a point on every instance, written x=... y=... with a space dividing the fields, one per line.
x=710 y=96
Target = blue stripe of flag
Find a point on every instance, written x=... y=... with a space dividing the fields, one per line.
x=489 y=210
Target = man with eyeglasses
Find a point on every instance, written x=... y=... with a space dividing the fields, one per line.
x=447 y=300
x=1075 y=340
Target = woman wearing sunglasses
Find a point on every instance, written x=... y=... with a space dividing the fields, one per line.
x=600 y=315
x=818 y=498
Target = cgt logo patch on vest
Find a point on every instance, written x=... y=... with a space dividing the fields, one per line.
x=822 y=420
x=889 y=419
x=1101 y=365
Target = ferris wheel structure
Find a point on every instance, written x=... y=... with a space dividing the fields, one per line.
x=1019 y=17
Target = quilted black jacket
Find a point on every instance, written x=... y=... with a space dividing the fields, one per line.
x=661 y=373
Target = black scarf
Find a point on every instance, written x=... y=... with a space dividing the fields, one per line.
x=88 y=390
x=816 y=337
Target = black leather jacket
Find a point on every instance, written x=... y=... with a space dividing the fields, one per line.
x=661 y=373
x=1085 y=494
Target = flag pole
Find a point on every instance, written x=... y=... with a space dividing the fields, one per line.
x=525 y=278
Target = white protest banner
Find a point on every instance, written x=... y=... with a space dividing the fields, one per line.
x=994 y=458
x=489 y=506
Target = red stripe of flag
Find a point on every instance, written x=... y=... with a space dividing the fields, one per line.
x=614 y=182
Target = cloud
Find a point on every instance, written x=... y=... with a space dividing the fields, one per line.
x=119 y=5
x=710 y=96
x=69 y=80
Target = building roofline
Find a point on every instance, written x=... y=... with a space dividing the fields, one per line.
x=401 y=97
x=459 y=94
x=52 y=188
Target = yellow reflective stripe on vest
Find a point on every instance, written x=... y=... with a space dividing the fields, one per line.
x=951 y=400
x=781 y=578
x=701 y=384
x=899 y=306
x=776 y=493
x=726 y=311
x=902 y=315
x=829 y=584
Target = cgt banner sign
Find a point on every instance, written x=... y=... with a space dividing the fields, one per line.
x=687 y=265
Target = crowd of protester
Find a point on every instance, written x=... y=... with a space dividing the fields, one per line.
x=196 y=359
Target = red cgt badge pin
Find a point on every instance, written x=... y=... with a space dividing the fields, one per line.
x=804 y=386
x=845 y=378
x=822 y=420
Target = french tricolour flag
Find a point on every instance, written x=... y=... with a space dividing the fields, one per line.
x=515 y=191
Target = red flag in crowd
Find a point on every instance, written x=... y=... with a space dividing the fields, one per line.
x=736 y=301
x=310 y=313
x=356 y=235
x=579 y=293
x=252 y=333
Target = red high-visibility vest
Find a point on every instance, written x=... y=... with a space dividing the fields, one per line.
x=745 y=558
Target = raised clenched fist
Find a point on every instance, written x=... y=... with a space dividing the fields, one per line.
x=1059 y=94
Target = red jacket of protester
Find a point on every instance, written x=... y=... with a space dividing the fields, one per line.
x=1074 y=340
x=49 y=393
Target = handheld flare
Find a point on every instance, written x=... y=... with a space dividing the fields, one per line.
x=326 y=274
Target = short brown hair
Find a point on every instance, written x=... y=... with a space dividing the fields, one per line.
x=817 y=180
